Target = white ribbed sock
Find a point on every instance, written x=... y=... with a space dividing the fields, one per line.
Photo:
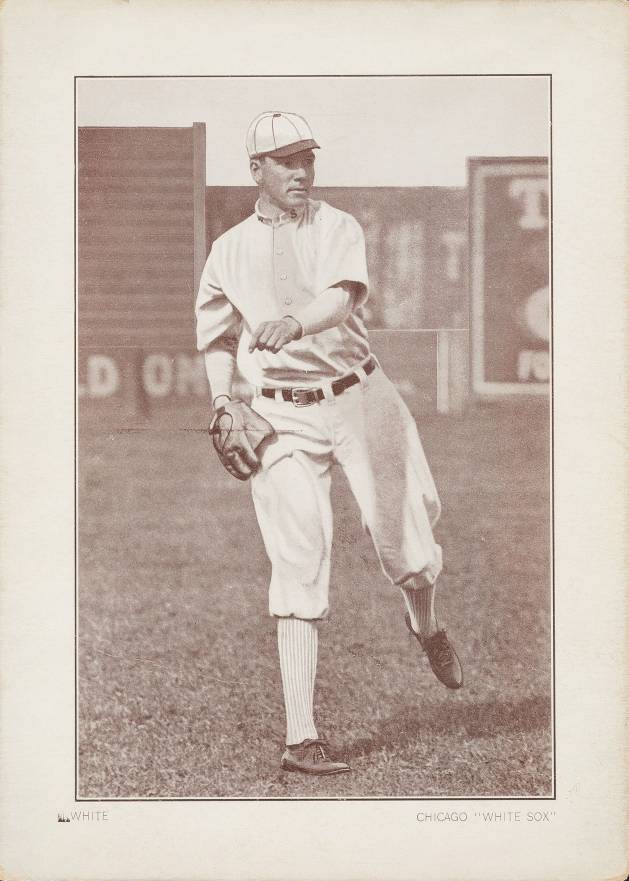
x=420 y=602
x=297 y=642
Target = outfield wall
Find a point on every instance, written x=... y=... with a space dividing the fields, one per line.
x=146 y=221
x=125 y=388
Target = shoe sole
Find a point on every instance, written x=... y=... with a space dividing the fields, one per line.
x=286 y=766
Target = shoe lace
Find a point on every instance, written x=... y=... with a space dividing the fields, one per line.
x=442 y=651
x=319 y=753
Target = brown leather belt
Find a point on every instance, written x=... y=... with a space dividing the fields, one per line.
x=304 y=397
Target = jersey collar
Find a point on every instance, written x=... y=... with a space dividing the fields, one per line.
x=285 y=217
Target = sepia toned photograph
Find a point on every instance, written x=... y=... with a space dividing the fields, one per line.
x=314 y=534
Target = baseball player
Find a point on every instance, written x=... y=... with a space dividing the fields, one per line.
x=281 y=296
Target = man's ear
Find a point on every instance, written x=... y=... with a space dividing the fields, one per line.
x=255 y=167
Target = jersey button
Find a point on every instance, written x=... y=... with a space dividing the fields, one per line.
x=288 y=301
x=279 y=252
x=283 y=276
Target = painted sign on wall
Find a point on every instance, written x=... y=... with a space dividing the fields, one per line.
x=510 y=279
x=137 y=383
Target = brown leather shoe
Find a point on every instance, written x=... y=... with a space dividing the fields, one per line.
x=441 y=656
x=310 y=757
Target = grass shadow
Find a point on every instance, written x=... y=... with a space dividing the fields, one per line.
x=472 y=721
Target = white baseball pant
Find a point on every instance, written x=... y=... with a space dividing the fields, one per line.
x=370 y=433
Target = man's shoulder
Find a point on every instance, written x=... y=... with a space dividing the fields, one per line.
x=334 y=220
x=234 y=233
x=331 y=215
x=325 y=210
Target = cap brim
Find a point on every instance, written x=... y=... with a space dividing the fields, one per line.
x=290 y=149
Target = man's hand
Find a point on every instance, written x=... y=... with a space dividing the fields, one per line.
x=237 y=431
x=274 y=335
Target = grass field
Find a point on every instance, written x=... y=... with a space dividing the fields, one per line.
x=179 y=689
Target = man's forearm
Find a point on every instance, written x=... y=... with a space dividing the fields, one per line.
x=327 y=310
x=220 y=364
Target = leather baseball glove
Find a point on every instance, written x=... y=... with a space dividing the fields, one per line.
x=237 y=431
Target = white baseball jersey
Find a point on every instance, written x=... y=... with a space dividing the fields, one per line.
x=263 y=269
x=259 y=271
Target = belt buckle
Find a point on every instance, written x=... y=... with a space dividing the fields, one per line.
x=300 y=397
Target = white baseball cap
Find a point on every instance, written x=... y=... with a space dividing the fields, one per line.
x=278 y=134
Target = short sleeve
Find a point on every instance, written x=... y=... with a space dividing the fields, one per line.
x=342 y=254
x=216 y=316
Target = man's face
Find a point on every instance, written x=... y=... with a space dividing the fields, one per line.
x=286 y=182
